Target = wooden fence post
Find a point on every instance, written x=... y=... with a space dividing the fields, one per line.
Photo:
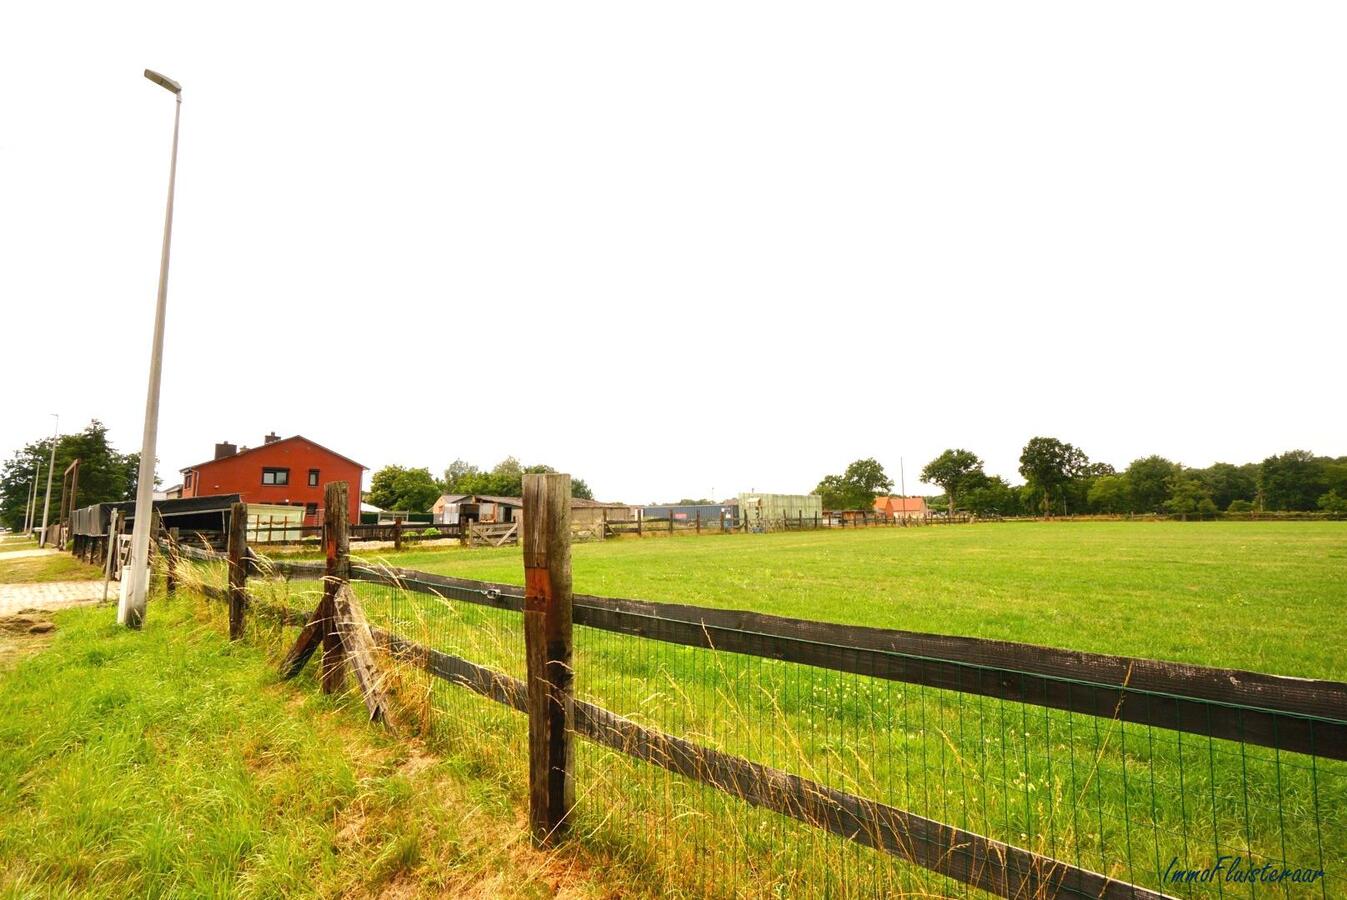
x=699 y=521
x=337 y=549
x=171 y=559
x=547 y=645
x=671 y=517
x=238 y=567
x=397 y=533
x=640 y=518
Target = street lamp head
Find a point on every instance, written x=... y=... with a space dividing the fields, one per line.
x=167 y=84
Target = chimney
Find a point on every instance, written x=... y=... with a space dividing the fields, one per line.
x=271 y=438
x=225 y=449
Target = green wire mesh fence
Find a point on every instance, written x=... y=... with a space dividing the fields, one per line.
x=1144 y=787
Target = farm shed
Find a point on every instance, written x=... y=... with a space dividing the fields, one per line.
x=585 y=513
x=188 y=514
x=710 y=513
x=487 y=509
x=762 y=512
x=445 y=509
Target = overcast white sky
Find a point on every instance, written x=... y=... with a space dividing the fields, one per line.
x=691 y=248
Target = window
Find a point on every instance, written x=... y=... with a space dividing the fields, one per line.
x=275 y=476
x=313 y=478
x=311 y=509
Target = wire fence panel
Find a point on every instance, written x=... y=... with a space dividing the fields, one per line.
x=747 y=763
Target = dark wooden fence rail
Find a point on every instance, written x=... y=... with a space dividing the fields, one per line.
x=1300 y=715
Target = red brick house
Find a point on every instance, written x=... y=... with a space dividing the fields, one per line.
x=902 y=507
x=287 y=471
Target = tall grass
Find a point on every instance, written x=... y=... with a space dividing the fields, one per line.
x=1120 y=799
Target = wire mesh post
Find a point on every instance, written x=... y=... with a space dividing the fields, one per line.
x=238 y=567
x=547 y=647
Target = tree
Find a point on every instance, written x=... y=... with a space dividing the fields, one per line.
x=1110 y=494
x=1048 y=464
x=1295 y=480
x=955 y=471
x=988 y=496
x=506 y=479
x=1229 y=483
x=395 y=488
x=1333 y=503
x=1150 y=480
x=106 y=476
x=460 y=476
x=1188 y=496
x=856 y=487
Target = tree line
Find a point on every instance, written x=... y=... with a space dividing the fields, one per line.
x=1059 y=479
x=415 y=490
x=105 y=476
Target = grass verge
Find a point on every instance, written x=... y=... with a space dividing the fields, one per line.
x=172 y=762
x=41 y=569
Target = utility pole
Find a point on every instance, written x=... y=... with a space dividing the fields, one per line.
x=30 y=507
x=51 y=468
x=132 y=612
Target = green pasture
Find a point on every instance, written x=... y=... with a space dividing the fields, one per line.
x=1123 y=800
x=1268 y=597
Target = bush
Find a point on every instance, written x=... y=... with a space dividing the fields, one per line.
x=1240 y=506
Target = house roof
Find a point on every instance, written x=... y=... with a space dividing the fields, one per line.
x=506 y=501
x=901 y=504
x=293 y=437
x=582 y=503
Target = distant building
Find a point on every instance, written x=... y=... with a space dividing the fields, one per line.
x=595 y=512
x=289 y=471
x=764 y=512
x=451 y=509
x=902 y=507
x=709 y=513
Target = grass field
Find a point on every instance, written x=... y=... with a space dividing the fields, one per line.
x=1114 y=798
x=1119 y=799
x=1265 y=597
x=172 y=763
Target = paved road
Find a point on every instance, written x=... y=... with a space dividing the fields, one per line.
x=51 y=595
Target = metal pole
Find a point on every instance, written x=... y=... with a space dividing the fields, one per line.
x=31 y=506
x=51 y=468
x=133 y=613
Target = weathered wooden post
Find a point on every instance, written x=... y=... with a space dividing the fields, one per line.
x=337 y=549
x=547 y=646
x=236 y=550
x=171 y=559
x=671 y=518
x=640 y=519
x=699 y=521
x=397 y=532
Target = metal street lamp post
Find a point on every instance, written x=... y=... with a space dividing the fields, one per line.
x=51 y=467
x=131 y=611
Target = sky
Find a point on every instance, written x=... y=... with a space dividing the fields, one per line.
x=681 y=249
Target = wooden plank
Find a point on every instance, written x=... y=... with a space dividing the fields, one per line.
x=238 y=568
x=319 y=623
x=358 y=645
x=337 y=551
x=547 y=648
